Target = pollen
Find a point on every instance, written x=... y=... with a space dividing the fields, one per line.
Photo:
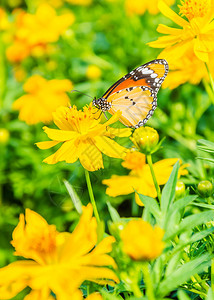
x=194 y=9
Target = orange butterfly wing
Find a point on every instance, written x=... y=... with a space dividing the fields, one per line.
x=134 y=103
x=135 y=94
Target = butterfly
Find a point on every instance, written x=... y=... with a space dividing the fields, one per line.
x=135 y=94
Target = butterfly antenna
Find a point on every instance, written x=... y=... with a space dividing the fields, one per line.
x=81 y=93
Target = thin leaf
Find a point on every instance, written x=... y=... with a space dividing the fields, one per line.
x=174 y=215
x=189 y=223
x=182 y=295
x=183 y=274
x=113 y=213
x=210 y=294
x=206 y=143
x=168 y=192
x=152 y=206
x=74 y=197
x=209 y=206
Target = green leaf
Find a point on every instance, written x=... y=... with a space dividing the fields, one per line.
x=174 y=214
x=210 y=294
x=113 y=213
x=208 y=206
x=183 y=274
x=74 y=197
x=189 y=223
x=207 y=144
x=182 y=295
x=152 y=206
x=194 y=238
x=173 y=263
x=168 y=192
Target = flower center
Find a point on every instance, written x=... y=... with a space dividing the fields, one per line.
x=193 y=9
x=43 y=242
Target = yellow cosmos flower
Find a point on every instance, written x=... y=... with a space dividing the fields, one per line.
x=94 y=296
x=42 y=98
x=83 y=138
x=4 y=136
x=4 y=21
x=141 y=241
x=59 y=262
x=139 y=7
x=53 y=3
x=93 y=72
x=190 y=69
x=140 y=178
x=197 y=33
x=80 y=2
x=39 y=29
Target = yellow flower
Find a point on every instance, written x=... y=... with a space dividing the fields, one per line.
x=141 y=241
x=94 y=296
x=53 y=3
x=197 y=33
x=39 y=29
x=19 y=73
x=83 y=138
x=59 y=262
x=189 y=69
x=80 y=2
x=4 y=136
x=42 y=98
x=140 y=178
x=145 y=139
x=93 y=72
x=4 y=21
x=139 y=7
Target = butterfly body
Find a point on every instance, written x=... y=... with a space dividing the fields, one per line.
x=135 y=94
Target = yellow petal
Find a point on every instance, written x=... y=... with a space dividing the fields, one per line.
x=169 y=13
x=90 y=157
x=67 y=152
x=120 y=185
x=165 y=41
x=60 y=135
x=46 y=145
x=121 y=132
x=14 y=278
x=169 y=30
x=110 y=147
x=99 y=273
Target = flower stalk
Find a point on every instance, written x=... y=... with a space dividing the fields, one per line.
x=148 y=281
x=91 y=195
x=211 y=81
x=149 y=160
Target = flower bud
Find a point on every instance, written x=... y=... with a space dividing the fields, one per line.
x=4 y=136
x=179 y=189
x=205 y=188
x=146 y=139
x=116 y=228
x=141 y=241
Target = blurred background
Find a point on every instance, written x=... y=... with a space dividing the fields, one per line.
x=92 y=44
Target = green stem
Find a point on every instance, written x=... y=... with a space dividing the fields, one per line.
x=91 y=195
x=212 y=275
x=149 y=160
x=148 y=281
x=211 y=79
x=2 y=72
x=136 y=290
